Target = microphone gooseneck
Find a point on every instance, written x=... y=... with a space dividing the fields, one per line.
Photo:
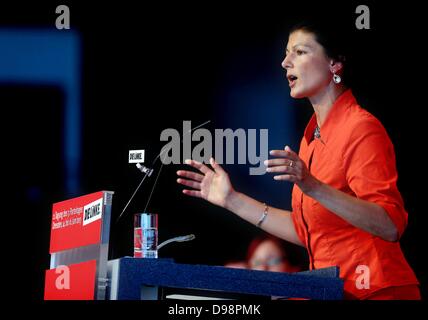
x=148 y=172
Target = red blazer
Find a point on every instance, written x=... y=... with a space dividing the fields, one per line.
x=355 y=155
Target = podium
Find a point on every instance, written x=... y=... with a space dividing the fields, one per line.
x=79 y=269
x=147 y=279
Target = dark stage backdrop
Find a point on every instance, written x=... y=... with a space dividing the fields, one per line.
x=144 y=68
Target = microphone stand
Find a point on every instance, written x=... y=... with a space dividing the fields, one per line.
x=148 y=172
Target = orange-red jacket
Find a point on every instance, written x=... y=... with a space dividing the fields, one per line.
x=355 y=155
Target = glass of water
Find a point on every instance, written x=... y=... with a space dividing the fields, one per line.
x=145 y=235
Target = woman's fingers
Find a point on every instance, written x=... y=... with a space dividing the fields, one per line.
x=193 y=193
x=190 y=175
x=294 y=154
x=217 y=168
x=286 y=177
x=286 y=153
x=277 y=162
x=283 y=169
x=288 y=163
x=189 y=183
x=198 y=165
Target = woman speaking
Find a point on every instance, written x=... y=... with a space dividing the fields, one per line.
x=346 y=208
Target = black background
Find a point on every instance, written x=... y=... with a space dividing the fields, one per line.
x=148 y=67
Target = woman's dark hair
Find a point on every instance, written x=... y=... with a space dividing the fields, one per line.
x=336 y=39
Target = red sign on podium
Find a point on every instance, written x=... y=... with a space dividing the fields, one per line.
x=79 y=248
x=73 y=282
x=76 y=222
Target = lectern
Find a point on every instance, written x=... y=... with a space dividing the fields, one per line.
x=147 y=279
x=80 y=270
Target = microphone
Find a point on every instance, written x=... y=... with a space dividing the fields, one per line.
x=189 y=237
x=136 y=157
x=144 y=169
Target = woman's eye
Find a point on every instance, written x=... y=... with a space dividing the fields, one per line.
x=300 y=52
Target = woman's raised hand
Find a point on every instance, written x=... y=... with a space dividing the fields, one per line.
x=289 y=167
x=212 y=185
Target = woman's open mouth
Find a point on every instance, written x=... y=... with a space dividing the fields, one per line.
x=291 y=80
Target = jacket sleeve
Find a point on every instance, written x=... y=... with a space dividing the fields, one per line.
x=370 y=169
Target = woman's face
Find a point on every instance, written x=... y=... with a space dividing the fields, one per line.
x=307 y=65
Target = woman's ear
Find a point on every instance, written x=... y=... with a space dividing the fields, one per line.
x=335 y=66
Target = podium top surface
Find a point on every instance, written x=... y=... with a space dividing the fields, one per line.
x=132 y=273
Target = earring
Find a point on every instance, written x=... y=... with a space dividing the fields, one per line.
x=336 y=78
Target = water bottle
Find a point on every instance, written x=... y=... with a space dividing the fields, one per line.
x=145 y=235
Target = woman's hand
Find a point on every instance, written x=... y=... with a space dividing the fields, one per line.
x=293 y=169
x=211 y=185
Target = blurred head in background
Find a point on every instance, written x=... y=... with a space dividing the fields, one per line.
x=268 y=253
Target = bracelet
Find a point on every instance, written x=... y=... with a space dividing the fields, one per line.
x=263 y=217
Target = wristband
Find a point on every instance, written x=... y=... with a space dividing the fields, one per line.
x=263 y=217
